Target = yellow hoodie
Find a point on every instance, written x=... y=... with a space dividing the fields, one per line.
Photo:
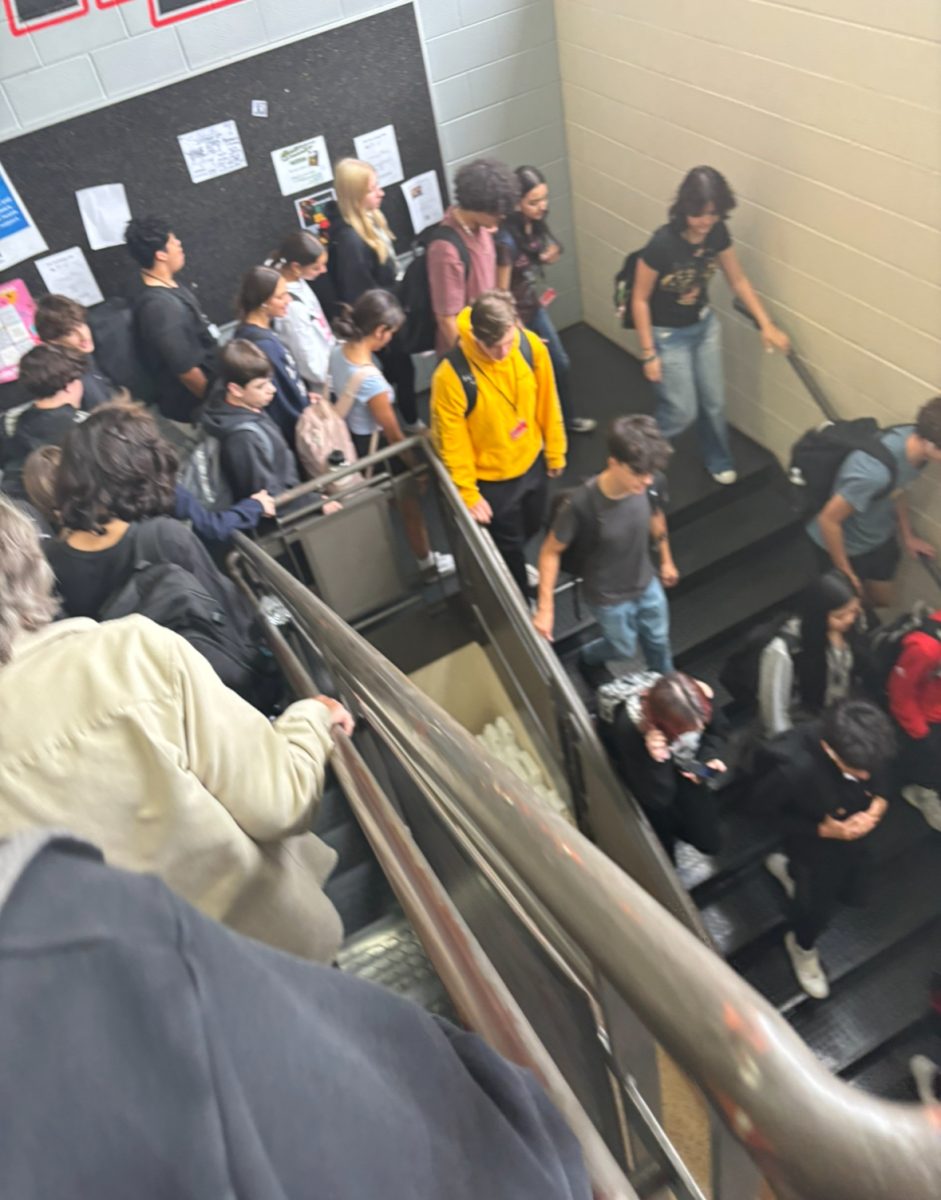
x=512 y=398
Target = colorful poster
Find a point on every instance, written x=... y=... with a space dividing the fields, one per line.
x=312 y=215
x=212 y=151
x=17 y=311
x=303 y=166
x=19 y=237
x=381 y=150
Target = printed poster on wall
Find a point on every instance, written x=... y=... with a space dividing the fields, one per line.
x=423 y=196
x=17 y=310
x=68 y=274
x=381 y=150
x=212 y=151
x=312 y=212
x=303 y=166
x=19 y=237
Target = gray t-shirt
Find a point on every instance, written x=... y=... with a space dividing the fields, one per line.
x=619 y=566
x=859 y=481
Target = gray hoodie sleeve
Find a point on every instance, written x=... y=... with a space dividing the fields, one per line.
x=775 y=687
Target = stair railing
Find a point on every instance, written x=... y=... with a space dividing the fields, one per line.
x=812 y=1135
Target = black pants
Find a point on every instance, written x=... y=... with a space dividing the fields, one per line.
x=919 y=759
x=519 y=506
x=826 y=874
x=398 y=368
x=677 y=808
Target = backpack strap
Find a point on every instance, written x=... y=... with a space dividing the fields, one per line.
x=465 y=372
x=444 y=233
x=346 y=401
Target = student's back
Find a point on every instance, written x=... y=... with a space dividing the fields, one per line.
x=28 y=431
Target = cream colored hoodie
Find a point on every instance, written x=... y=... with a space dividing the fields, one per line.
x=123 y=734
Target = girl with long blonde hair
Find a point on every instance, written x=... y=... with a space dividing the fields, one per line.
x=362 y=258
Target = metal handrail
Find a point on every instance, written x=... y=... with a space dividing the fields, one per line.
x=812 y=1135
x=470 y=979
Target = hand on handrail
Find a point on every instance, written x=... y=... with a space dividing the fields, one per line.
x=340 y=718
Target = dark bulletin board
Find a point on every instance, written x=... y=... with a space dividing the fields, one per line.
x=341 y=83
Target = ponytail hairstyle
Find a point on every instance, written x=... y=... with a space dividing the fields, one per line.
x=375 y=309
x=257 y=287
x=677 y=704
x=300 y=246
x=352 y=181
x=831 y=591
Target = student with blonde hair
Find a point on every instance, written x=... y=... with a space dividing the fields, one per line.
x=362 y=258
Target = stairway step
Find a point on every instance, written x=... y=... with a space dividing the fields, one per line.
x=361 y=895
x=902 y=901
x=874 y=1006
x=350 y=843
x=388 y=953
x=705 y=545
x=754 y=585
x=745 y=840
x=887 y=1072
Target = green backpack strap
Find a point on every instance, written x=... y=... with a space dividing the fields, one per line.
x=465 y=372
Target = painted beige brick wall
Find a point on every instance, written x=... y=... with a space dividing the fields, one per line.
x=826 y=117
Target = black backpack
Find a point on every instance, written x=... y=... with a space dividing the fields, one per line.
x=819 y=453
x=420 y=328
x=465 y=372
x=116 y=351
x=623 y=288
x=171 y=596
x=885 y=644
x=201 y=472
x=739 y=673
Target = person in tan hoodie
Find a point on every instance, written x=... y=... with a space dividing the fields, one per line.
x=497 y=424
x=122 y=733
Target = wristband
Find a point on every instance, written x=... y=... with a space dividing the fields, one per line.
x=650 y=356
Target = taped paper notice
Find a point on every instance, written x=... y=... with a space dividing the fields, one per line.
x=68 y=274
x=423 y=196
x=303 y=166
x=105 y=214
x=213 y=151
x=381 y=150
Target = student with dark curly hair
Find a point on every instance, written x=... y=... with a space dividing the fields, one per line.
x=678 y=332
x=485 y=191
x=115 y=476
x=177 y=340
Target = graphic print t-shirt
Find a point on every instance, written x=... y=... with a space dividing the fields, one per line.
x=683 y=273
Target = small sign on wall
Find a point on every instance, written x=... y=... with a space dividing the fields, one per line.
x=165 y=12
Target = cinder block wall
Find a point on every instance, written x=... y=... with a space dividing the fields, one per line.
x=826 y=117
x=493 y=66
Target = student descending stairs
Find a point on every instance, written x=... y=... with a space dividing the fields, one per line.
x=743 y=557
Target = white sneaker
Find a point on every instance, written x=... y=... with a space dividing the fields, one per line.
x=925 y=1074
x=440 y=565
x=414 y=427
x=726 y=477
x=778 y=866
x=532 y=575
x=806 y=963
x=927 y=801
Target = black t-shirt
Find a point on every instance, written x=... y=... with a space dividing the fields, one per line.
x=683 y=273
x=619 y=566
x=35 y=427
x=174 y=335
x=88 y=578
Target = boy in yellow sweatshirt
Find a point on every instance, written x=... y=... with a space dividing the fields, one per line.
x=501 y=449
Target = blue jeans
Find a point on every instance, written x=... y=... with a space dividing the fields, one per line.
x=647 y=617
x=691 y=387
x=541 y=325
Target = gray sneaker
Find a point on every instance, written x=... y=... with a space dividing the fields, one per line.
x=926 y=801
x=925 y=1074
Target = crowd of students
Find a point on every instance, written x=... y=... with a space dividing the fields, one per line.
x=160 y=750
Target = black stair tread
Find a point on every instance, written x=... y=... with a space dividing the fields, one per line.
x=751 y=905
x=360 y=895
x=388 y=953
x=873 y=1006
x=745 y=839
x=751 y=587
x=902 y=900
x=350 y=843
x=745 y=522
x=887 y=1072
